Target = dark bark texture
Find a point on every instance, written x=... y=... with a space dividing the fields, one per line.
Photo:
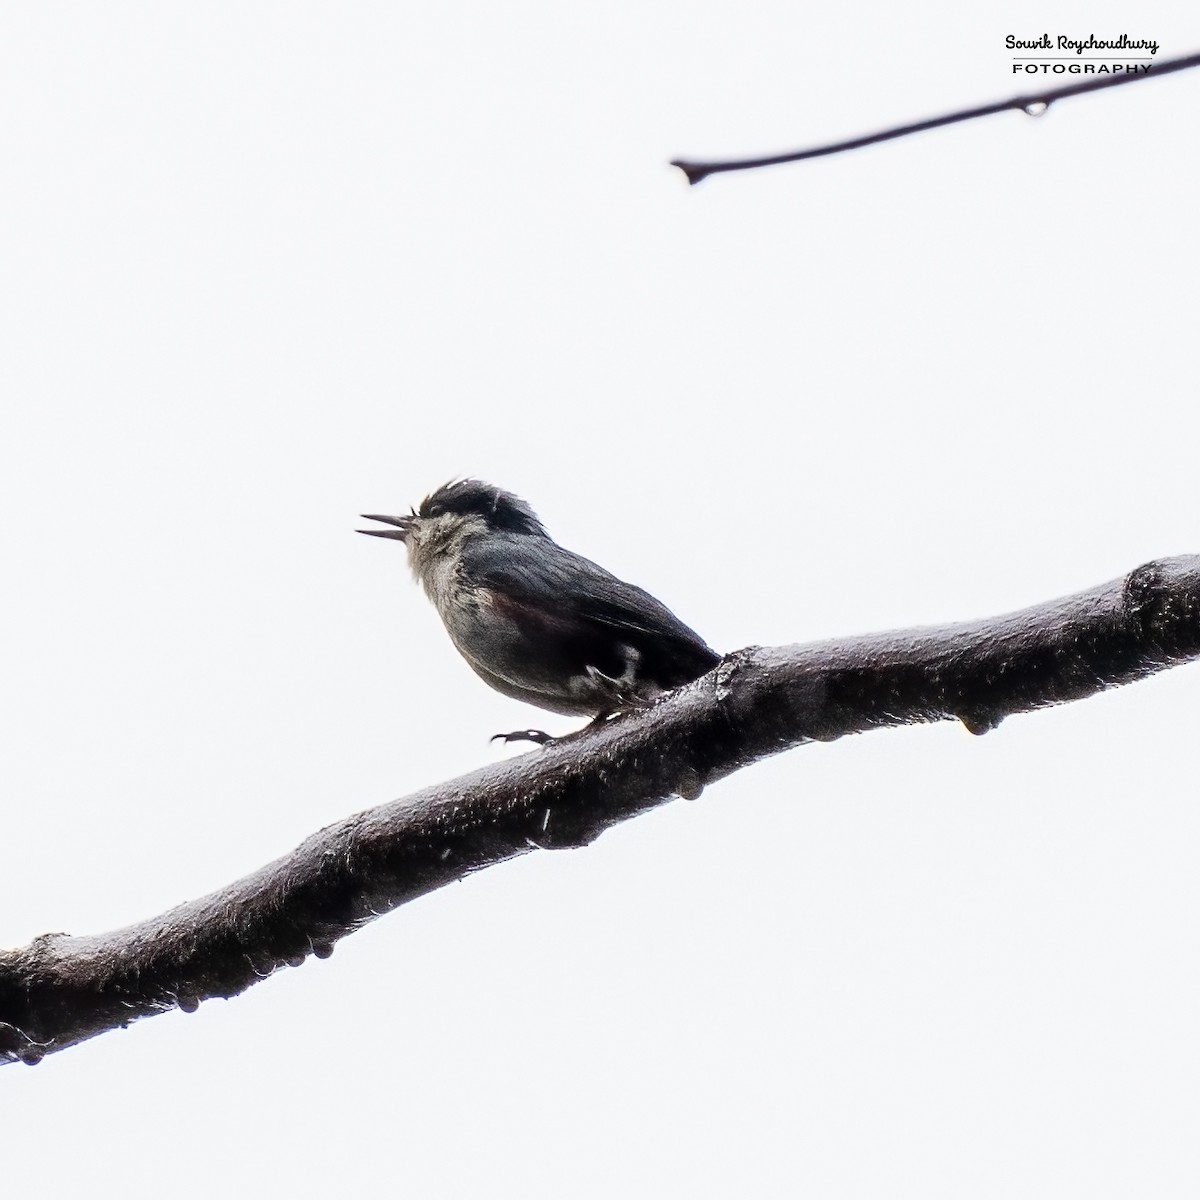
x=60 y=989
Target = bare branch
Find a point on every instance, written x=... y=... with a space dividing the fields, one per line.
x=60 y=990
x=1035 y=104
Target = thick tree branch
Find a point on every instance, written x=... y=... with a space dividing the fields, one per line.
x=1035 y=104
x=60 y=990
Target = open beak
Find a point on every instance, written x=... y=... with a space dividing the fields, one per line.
x=399 y=533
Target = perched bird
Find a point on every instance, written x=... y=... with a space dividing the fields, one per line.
x=535 y=621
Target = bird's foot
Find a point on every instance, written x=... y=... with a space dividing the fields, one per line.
x=524 y=735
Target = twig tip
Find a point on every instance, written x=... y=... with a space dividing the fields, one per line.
x=695 y=172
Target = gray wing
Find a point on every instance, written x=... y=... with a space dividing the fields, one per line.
x=588 y=605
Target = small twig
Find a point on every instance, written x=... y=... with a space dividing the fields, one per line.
x=1034 y=104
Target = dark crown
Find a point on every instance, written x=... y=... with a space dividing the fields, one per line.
x=473 y=497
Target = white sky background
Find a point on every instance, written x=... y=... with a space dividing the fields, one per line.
x=269 y=266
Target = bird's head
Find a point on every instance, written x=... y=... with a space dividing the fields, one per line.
x=454 y=512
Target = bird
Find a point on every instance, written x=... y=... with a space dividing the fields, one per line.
x=534 y=620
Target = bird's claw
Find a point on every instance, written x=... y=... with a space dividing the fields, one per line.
x=523 y=735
